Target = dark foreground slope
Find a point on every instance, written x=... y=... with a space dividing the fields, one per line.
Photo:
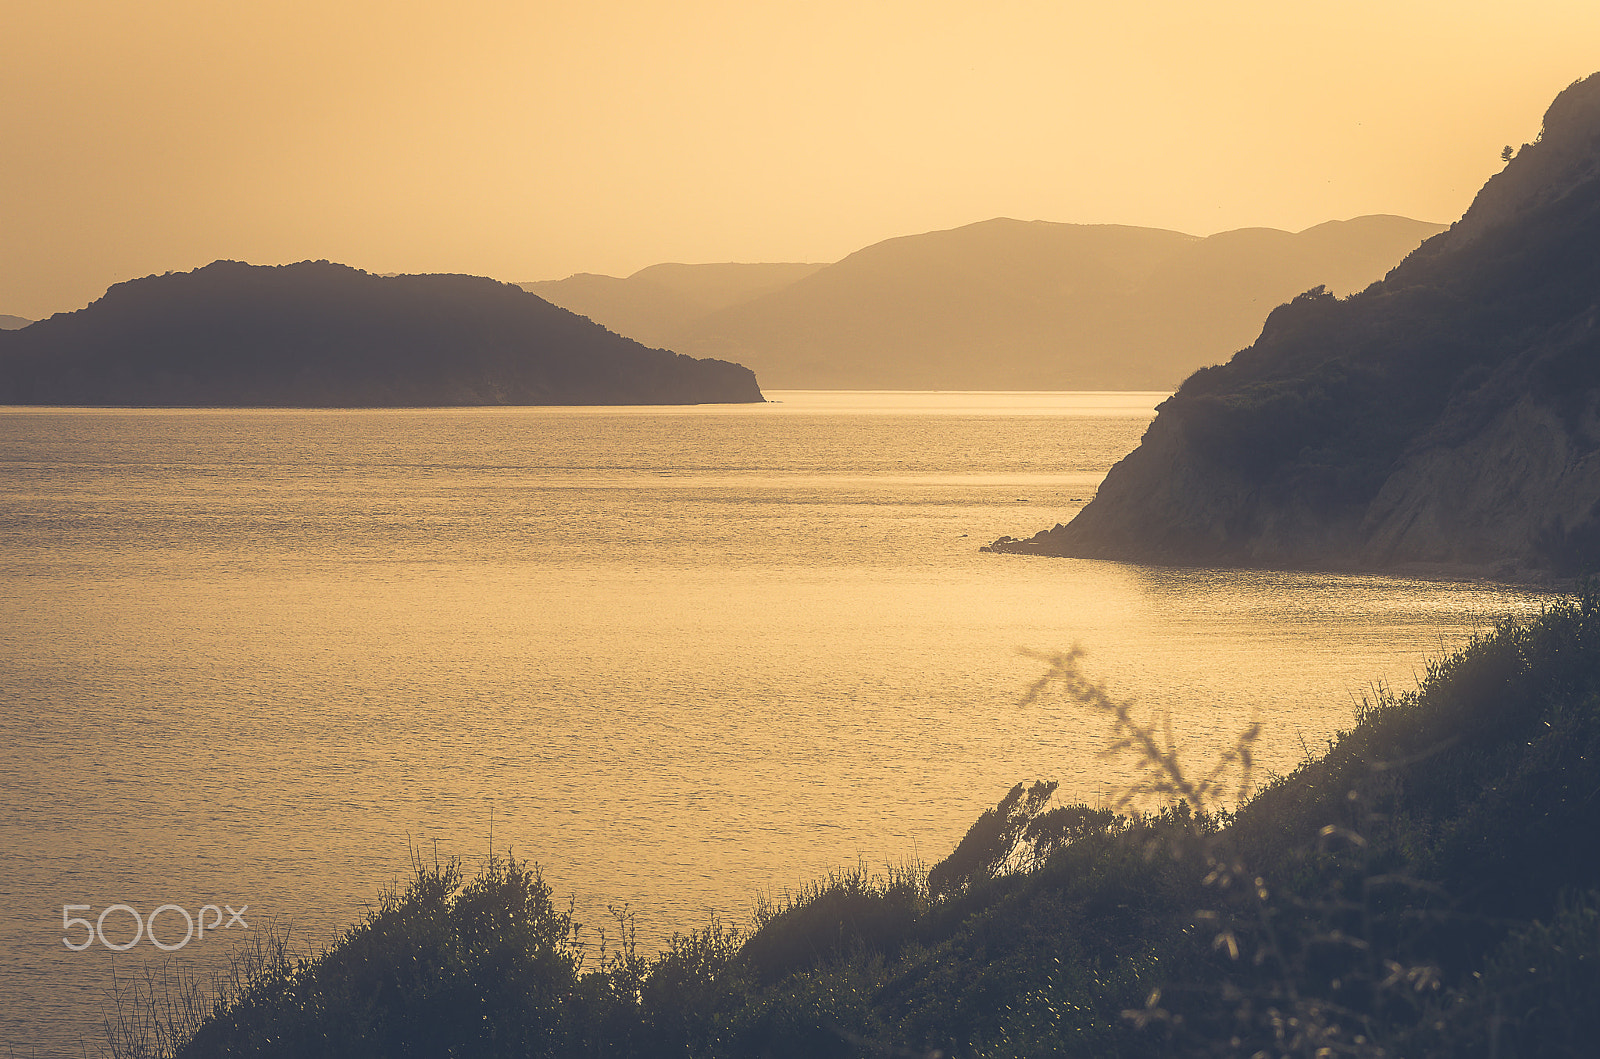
x=1449 y=414
x=316 y=334
x=1427 y=887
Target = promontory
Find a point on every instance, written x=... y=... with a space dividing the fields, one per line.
x=1448 y=415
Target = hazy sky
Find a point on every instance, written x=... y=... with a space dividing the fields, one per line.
x=532 y=140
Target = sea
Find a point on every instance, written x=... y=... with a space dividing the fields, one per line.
x=255 y=665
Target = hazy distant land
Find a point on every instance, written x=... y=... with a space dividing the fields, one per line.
x=317 y=334
x=1448 y=415
x=1002 y=304
x=999 y=305
x=656 y=304
x=11 y=323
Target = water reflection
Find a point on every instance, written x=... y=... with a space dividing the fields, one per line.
x=254 y=655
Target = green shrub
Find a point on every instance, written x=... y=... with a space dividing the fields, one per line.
x=484 y=967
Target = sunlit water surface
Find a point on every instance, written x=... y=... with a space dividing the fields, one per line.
x=678 y=656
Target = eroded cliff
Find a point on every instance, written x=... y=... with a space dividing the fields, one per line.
x=1446 y=415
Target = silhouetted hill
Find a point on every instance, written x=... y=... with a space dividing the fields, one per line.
x=1448 y=415
x=12 y=323
x=321 y=334
x=654 y=304
x=1005 y=304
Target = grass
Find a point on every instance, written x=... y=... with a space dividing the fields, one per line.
x=1429 y=886
x=157 y=1013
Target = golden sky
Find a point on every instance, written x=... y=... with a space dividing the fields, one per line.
x=530 y=140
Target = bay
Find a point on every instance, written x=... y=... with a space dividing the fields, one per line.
x=678 y=656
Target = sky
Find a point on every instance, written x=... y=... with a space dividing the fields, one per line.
x=534 y=140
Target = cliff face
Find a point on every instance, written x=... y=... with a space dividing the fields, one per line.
x=319 y=334
x=1449 y=414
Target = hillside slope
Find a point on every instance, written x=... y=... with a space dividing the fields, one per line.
x=1449 y=415
x=1424 y=888
x=320 y=334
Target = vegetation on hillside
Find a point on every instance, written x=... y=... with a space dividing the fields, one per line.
x=1332 y=393
x=1428 y=886
x=1449 y=413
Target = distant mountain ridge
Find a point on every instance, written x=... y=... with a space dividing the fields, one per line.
x=655 y=303
x=1001 y=304
x=318 y=334
x=1449 y=415
x=11 y=323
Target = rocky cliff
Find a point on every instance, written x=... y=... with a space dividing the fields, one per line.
x=320 y=334
x=1448 y=415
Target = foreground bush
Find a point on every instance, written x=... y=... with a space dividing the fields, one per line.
x=1428 y=886
x=486 y=968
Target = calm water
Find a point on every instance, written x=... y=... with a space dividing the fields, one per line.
x=681 y=656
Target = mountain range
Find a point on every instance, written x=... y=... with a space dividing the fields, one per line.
x=1002 y=304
